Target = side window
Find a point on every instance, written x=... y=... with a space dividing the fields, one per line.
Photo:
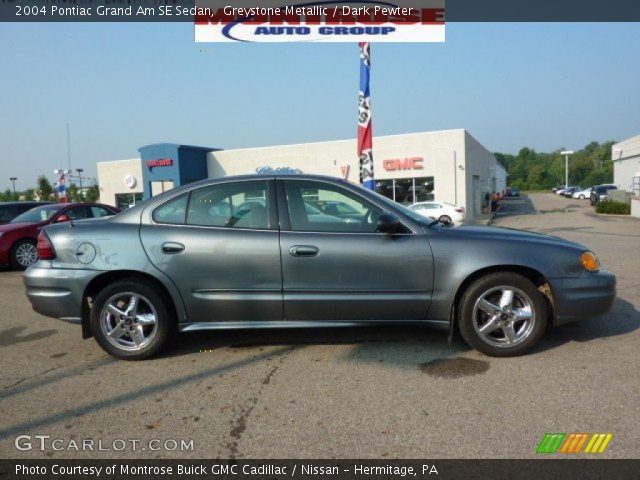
x=172 y=212
x=321 y=207
x=99 y=212
x=78 y=213
x=24 y=208
x=230 y=205
x=6 y=214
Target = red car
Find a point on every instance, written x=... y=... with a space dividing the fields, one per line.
x=18 y=239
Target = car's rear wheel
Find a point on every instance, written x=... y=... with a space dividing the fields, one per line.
x=445 y=219
x=130 y=320
x=581 y=197
x=502 y=314
x=24 y=253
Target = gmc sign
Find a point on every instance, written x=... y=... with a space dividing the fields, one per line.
x=394 y=164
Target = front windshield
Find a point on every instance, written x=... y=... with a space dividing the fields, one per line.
x=38 y=214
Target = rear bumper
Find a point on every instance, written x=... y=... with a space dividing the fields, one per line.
x=57 y=293
x=590 y=295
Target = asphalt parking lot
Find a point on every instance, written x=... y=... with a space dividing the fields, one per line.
x=352 y=393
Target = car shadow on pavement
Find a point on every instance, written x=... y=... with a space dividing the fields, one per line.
x=623 y=319
x=516 y=206
x=381 y=336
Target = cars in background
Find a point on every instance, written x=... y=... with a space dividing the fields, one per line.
x=443 y=211
x=514 y=192
x=10 y=210
x=18 y=239
x=600 y=192
x=582 y=193
x=568 y=193
x=561 y=190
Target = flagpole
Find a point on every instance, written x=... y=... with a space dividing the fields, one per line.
x=365 y=135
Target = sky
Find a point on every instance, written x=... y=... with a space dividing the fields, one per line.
x=122 y=86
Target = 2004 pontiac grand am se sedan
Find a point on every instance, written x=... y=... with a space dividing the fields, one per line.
x=255 y=252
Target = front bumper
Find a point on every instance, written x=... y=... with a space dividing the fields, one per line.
x=56 y=292
x=590 y=295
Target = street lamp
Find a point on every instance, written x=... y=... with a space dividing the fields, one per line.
x=80 y=170
x=13 y=180
x=566 y=154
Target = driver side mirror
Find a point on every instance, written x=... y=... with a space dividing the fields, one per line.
x=62 y=218
x=388 y=223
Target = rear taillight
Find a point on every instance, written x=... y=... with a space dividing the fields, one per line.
x=45 y=249
x=460 y=210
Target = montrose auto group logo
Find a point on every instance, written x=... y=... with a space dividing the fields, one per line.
x=324 y=21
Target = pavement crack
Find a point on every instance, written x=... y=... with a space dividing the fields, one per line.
x=31 y=377
x=239 y=421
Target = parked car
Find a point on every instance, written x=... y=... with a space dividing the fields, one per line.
x=514 y=192
x=18 y=239
x=582 y=193
x=178 y=263
x=443 y=211
x=568 y=193
x=10 y=210
x=600 y=192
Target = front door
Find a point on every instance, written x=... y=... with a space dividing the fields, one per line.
x=219 y=245
x=336 y=266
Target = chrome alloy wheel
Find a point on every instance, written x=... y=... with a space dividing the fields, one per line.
x=129 y=321
x=504 y=316
x=26 y=254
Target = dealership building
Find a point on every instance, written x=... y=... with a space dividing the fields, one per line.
x=447 y=166
x=626 y=164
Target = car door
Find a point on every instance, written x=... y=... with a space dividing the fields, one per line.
x=341 y=268
x=219 y=244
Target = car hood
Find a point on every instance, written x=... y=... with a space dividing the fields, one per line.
x=513 y=235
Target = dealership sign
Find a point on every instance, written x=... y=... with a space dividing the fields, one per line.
x=323 y=21
x=395 y=164
x=159 y=162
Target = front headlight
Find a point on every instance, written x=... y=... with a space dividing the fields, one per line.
x=590 y=261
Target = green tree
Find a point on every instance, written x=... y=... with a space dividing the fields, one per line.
x=28 y=194
x=92 y=194
x=73 y=193
x=45 y=189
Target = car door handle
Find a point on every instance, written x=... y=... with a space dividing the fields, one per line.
x=172 y=248
x=304 y=251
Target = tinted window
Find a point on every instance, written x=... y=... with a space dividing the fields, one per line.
x=79 y=213
x=38 y=214
x=173 y=211
x=359 y=216
x=6 y=213
x=231 y=205
x=99 y=212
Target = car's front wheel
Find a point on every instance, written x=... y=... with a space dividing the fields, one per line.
x=581 y=197
x=130 y=320
x=23 y=254
x=502 y=314
x=446 y=219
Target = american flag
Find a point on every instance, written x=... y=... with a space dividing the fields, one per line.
x=365 y=137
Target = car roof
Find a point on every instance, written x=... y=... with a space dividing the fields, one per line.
x=25 y=202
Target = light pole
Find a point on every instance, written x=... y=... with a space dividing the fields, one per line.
x=13 y=180
x=566 y=154
x=80 y=170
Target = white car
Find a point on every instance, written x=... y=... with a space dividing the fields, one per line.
x=443 y=211
x=582 y=194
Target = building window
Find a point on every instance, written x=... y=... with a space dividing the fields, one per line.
x=160 y=186
x=127 y=200
x=407 y=190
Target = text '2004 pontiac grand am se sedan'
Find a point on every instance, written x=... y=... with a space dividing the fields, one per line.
x=255 y=252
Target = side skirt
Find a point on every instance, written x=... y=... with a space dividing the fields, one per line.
x=190 y=327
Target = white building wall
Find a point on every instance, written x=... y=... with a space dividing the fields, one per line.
x=626 y=162
x=111 y=177
x=482 y=174
x=441 y=152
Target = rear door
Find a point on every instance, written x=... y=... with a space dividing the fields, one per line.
x=219 y=244
x=340 y=268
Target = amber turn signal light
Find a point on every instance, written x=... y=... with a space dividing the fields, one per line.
x=590 y=261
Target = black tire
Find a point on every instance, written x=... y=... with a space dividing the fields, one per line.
x=148 y=294
x=17 y=258
x=445 y=219
x=531 y=333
